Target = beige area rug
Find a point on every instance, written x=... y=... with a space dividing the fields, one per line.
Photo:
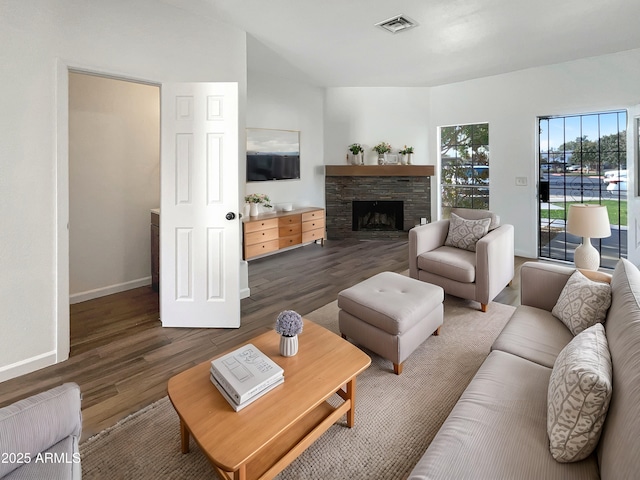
x=396 y=416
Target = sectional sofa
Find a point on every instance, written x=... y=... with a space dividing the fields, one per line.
x=499 y=427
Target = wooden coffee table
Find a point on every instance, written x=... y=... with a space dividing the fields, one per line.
x=260 y=440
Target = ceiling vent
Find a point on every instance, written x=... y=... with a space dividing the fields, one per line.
x=397 y=24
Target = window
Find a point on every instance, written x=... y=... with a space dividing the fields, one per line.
x=582 y=159
x=464 y=155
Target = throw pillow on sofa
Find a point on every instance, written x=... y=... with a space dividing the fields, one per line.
x=579 y=394
x=582 y=303
x=465 y=233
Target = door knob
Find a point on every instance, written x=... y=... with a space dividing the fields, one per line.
x=230 y=216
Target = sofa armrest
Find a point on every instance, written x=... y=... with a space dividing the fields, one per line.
x=424 y=239
x=494 y=262
x=34 y=424
x=542 y=283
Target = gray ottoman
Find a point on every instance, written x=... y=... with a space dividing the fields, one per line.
x=391 y=315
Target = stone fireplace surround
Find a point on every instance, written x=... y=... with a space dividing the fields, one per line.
x=344 y=184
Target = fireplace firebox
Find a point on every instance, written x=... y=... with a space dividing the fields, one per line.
x=378 y=215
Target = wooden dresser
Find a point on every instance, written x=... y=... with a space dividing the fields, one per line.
x=271 y=232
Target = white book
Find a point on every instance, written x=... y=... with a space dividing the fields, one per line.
x=238 y=407
x=245 y=372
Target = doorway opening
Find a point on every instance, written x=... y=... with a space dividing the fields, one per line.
x=582 y=159
x=114 y=182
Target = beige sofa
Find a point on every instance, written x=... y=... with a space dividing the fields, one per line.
x=498 y=428
x=475 y=275
x=39 y=436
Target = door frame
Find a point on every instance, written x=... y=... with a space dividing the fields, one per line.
x=61 y=210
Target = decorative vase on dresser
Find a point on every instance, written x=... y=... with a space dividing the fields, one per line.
x=254 y=210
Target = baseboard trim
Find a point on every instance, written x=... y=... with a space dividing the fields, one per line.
x=27 y=365
x=111 y=289
x=245 y=293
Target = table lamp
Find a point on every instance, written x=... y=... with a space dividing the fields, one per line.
x=588 y=221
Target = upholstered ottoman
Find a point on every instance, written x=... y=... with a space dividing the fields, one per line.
x=391 y=315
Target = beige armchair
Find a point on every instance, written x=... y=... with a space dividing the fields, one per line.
x=478 y=275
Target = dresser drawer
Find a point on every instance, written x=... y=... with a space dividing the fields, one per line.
x=260 y=248
x=291 y=240
x=261 y=236
x=312 y=215
x=294 y=229
x=254 y=226
x=313 y=235
x=312 y=225
x=289 y=220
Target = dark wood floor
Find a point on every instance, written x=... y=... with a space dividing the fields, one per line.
x=122 y=358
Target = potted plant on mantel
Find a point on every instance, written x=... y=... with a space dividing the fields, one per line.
x=406 y=155
x=356 y=153
x=381 y=149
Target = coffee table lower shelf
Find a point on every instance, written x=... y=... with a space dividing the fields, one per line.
x=284 y=449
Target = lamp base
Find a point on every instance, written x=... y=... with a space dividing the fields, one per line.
x=586 y=256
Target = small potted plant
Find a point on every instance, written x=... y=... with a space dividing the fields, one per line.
x=356 y=153
x=289 y=326
x=255 y=199
x=406 y=155
x=381 y=149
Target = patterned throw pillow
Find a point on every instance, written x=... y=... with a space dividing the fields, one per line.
x=579 y=395
x=582 y=303
x=465 y=233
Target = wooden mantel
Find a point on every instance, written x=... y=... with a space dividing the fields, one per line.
x=379 y=170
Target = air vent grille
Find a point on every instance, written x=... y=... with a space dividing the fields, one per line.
x=396 y=24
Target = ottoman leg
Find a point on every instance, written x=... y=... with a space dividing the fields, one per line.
x=397 y=368
x=437 y=332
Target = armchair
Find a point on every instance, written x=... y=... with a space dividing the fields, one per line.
x=39 y=435
x=478 y=275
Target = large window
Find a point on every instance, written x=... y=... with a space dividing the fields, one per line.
x=583 y=159
x=464 y=154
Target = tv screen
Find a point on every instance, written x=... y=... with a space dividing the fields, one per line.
x=263 y=167
x=272 y=155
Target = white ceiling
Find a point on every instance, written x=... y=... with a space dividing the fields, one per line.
x=335 y=43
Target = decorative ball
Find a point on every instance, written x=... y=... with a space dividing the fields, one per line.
x=289 y=323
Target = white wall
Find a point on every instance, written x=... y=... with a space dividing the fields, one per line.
x=370 y=115
x=145 y=39
x=511 y=104
x=114 y=180
x=279 y=98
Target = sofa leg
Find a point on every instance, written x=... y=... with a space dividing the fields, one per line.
x=397 y=368
x=437 y=332
x=483 y=307
x=344 y=336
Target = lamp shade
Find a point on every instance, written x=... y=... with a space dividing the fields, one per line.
x=590 y=221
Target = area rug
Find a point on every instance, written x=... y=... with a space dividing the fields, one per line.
x=397 y=416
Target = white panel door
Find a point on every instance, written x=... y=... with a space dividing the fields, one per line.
x=199 y=224
x=633 y=189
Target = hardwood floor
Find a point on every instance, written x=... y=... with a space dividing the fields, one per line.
x=122 y=358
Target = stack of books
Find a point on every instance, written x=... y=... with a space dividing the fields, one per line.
x=244 y=375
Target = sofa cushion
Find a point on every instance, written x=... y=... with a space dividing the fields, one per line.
x=579 y=395
x=450 y=262
x=582 y=302
x=465 y=233
x=534 y=334
x=619 y=448
x=497 y=430
x=476 y=213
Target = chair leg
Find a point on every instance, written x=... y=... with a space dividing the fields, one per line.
x=397 y=368
x=483 y=307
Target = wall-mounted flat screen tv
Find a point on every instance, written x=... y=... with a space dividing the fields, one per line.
x=272 y=154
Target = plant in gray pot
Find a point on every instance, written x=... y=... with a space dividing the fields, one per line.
x=289 y=326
